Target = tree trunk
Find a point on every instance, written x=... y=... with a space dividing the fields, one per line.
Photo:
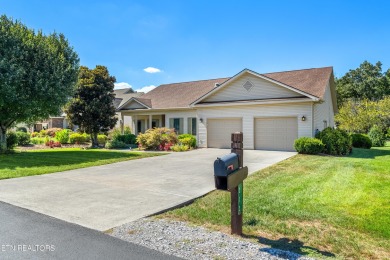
x=3 y=140
x=94 y=139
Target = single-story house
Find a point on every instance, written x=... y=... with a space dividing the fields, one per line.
x=121 y=97
x=271 y=109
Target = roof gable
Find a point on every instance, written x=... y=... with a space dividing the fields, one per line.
x=136 y=103
x=247 y=86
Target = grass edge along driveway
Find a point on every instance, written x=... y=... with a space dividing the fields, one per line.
x=37 y=162
x=312 y=205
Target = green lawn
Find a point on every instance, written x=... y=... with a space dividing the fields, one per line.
x=315 y=205
x=37 y=162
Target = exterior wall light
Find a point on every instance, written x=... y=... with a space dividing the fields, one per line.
x=201 y=120
x=303 y=118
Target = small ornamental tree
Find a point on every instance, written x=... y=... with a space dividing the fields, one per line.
x=37 y=74
x=92 y=106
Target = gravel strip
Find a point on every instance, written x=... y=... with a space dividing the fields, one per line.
x=190 y=242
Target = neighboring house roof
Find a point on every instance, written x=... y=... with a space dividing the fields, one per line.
x=312 y=82
x=123 y=95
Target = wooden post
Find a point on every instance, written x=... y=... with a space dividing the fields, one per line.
x=236 y=195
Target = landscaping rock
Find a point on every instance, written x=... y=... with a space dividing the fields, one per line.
x=190 y=242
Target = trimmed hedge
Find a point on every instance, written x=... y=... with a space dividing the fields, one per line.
x=77 y=138
x=12 y=140
x=187 y=139
x=361 y=141
x=308 y=145
x=377 y=136
x=337 y=142
x=23 y=138
x=102 y=139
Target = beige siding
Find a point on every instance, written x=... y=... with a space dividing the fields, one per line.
x=262 y=89
x=249 y=113
x=323 y=111
x=181 y=114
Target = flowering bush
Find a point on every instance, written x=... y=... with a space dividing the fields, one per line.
x=157 y=139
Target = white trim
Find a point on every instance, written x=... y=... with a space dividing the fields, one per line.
x=257 y=75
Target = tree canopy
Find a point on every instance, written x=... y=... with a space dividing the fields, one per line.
x=37 y=74
x=360 y=116
x=365 y=82
x=92 y=106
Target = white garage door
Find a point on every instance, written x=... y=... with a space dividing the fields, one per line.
x=219 y=131
x=276 y=133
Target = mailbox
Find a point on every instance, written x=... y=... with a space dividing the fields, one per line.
x=227 y=173
x=225 y=165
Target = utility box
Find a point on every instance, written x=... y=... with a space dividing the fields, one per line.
x=227 y=173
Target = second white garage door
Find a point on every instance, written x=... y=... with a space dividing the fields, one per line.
x=219 y=131
x=276 y=133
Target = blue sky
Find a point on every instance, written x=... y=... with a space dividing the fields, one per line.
x=193 y=40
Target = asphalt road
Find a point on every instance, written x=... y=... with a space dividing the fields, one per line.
x=28 y=235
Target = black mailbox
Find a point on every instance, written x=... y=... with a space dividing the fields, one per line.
x=227 y=173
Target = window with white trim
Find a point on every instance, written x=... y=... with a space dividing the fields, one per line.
x=192 y=125
x=177 y=124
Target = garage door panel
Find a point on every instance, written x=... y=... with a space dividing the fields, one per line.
x=276 y=133
x=219 y=131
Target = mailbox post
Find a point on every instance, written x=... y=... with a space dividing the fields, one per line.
x=236 y=195
x=229 y=175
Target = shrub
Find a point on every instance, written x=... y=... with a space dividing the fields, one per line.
x=37 y=140
x=34 y=134
x=308 y=145
x=127 y=130
x=115 y=144
x=52 y=131
x=21 y=129
x=337 y=142
x=63 y=136
x=187 y=139
x=23 y=138
x=377 y=136
x=157 y=138
x=102 y=139
x=76 y=138
x=87 y=137
x=126 y=138
x=180 y=148
x=361 y=141
x=12 y=140
x=42 y=133
x=53 y=144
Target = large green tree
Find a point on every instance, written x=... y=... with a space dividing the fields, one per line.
x=37 y=74
x=360 y=116
x=92 y=107
x=366 y=82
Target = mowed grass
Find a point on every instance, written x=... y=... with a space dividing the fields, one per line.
x=36 y=162
x=312 y=205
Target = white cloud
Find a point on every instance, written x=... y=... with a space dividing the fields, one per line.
x=152 y=70
x=121 y=85
x=146 y=88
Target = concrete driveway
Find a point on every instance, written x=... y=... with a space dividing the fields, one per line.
x=106 y=196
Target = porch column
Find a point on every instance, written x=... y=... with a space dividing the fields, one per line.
x=136 y=125
x=150 y=121
x=122 y=123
